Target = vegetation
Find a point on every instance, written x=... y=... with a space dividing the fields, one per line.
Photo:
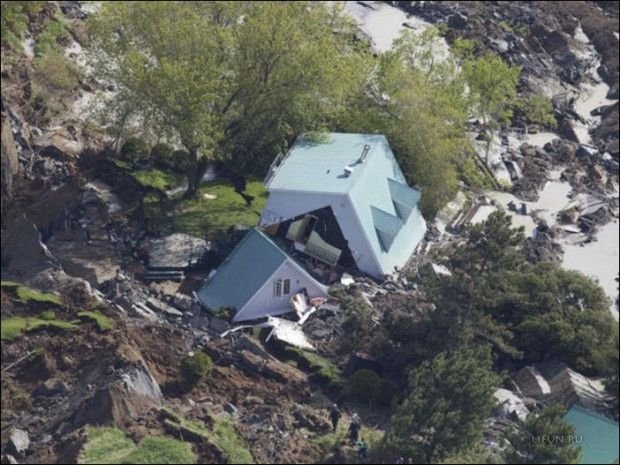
x=134 y=149
x=536 y=109
x=110 y=445
x=48 y=39
x=528 y=443
x=156 y=179
x=196 y=367
x=103 y=322
x=226 y=88
x=527 y=312
x=15 y=326
x=223 y=435
x=228 y=441
x=14 y=17
x=493 y=86
x=25 y=294
x=206 y=217
x=449 y=398
x=365 y=385
x=324 y=368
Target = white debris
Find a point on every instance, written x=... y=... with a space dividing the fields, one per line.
x=346 y=279
x=511 y=403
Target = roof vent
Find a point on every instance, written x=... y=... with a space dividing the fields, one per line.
x=364 y=153
x=347 y=171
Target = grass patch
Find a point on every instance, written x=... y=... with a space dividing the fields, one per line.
x=227 y=440
x=157 y=179
x=223 y=435
x=14 y=327
x=322 y=367
x=9 y=284
x=26 y=294
x=110 y=445
x=48 y=39
x=202 y=216
x=103 y=322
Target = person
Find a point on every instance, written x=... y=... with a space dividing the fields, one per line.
x=354 y=428
x=362 y=450
x=400 y=461
x=334 y=416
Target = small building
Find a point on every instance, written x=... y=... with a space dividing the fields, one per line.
x=257 y=280
x=345 y=202
x=597 y=435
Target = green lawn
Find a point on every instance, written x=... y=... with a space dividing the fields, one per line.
x=323 y=367
x=157 y=179
x=224 y=435
x=103 y=322
x=110 y=445
x=14 y=327
x=202 y=216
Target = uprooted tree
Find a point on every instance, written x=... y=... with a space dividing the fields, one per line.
x=227 y=80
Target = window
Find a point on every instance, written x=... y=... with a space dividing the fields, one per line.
x=281 y=287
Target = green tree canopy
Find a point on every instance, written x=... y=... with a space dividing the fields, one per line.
x=535 y=440
x=228 y=80
x=449 y=398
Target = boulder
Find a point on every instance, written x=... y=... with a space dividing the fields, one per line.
x=566 y=130
x=52 y=387
x=19 y=441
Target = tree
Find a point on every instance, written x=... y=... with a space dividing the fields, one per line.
x=449 y=398
x=493 y=87
x=417 y=101
x=227 y=80
x=536 y=109
x=538 y=439
x=195 y=367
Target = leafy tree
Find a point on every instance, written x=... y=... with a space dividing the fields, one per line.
x=227 y=80
x=417 y=101
x=536 y=109
x=535 y=441
x=493 y=87
x=449 y=398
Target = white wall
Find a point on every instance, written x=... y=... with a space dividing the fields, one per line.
x=264 y=303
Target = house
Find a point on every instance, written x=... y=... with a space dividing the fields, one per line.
x=257 y=279
x=597 y=435
x=344 y=202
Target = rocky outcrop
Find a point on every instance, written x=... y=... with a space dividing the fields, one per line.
x=10 y=163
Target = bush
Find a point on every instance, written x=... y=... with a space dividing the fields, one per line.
x=48 y=40
x=365 y=385
x=161 y=155
x=134 y=149
x=196 y=367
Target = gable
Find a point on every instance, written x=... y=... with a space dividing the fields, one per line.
x=242 y=273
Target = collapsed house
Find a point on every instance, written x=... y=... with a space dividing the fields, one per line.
x=339 y=204
x=344 y=202
x=259 y=279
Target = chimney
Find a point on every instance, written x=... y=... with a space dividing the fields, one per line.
x=347 y=171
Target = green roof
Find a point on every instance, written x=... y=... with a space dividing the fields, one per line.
x=598 y=435
x=320 y=166
x=242 y=273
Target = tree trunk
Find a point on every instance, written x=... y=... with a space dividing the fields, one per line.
x=196 y=171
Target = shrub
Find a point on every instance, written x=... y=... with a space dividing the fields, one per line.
x=365 y=385
x=134 y=149
x=196 y=367
x=48 y=39
x=162 y=155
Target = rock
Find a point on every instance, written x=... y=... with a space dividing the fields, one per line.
x=23 y=253
x=19 y=441
x=162 y=307
x=60 y=145
x=52 y=387
x=9 y=459
x=183 y=302
x=566 y=130
x=10 y=163
x=230 y=408
x=218 y=325
x=584 y=154
x=457 y=21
